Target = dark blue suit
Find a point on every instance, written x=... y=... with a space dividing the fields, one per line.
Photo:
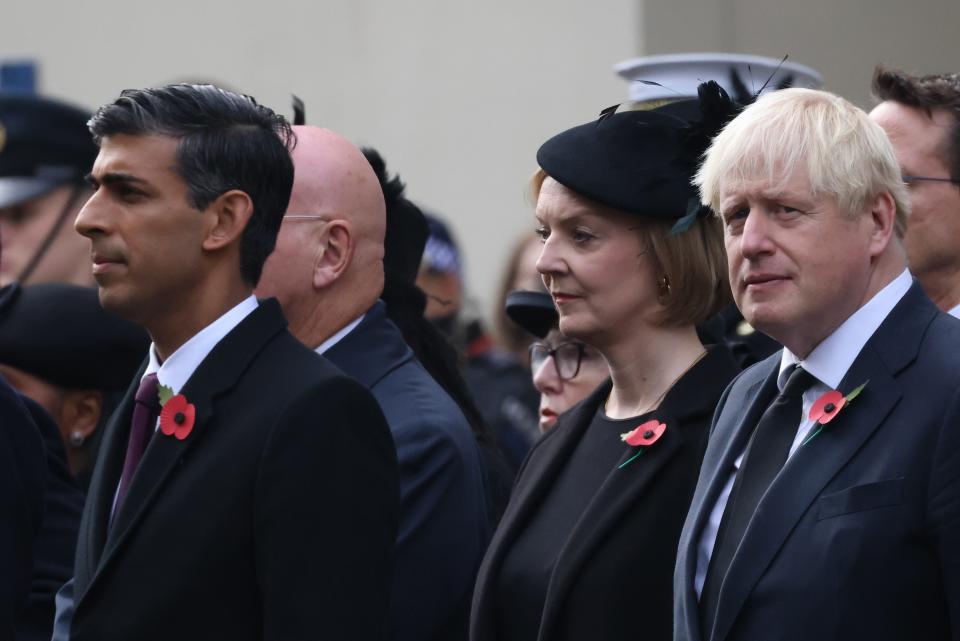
x=858 y=537
x=444 y=526
x=23 y=468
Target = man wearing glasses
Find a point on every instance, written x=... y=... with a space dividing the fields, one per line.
x=921 y=116
x=327 y=271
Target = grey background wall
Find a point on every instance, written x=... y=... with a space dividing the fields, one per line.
x=457 y=95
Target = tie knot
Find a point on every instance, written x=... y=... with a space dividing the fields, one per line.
x=798 y=382
x=147 y=393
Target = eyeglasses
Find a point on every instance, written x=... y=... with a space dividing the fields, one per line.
x=304 y=217
x=913 y=179
x=566 y=358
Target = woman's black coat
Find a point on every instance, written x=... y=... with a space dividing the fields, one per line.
x=614 y=575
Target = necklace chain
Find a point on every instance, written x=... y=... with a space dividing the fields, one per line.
x=669 y=387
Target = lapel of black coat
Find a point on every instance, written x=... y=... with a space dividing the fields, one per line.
x=537 y=476
x=892 y=347
x=693 y=397
x=217 y=373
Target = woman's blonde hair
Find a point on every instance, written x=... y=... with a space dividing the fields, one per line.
x=846 y=156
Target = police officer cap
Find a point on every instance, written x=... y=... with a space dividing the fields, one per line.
x=533 y=311
x=44 y=143
x=639 y=162
x=60 y=334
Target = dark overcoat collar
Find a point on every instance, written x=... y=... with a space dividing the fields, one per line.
x=372 y=350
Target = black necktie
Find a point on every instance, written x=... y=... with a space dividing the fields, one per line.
x=766 y=453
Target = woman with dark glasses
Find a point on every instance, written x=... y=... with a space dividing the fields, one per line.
x=587 y=545
x=564 y=369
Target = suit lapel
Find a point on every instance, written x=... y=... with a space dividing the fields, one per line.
x=538 y=476
x=728 y=439
x=218 y=372
x=95 y=524
x=893 y=346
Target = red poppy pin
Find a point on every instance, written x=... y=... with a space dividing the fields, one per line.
x=643 y=436
x=176 y=414
x=826 y=408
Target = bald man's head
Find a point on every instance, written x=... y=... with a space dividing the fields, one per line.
x=327 y=267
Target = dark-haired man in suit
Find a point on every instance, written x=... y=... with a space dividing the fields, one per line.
x=828 y=504
x=263 y=502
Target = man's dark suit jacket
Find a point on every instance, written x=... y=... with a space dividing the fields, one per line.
x=613 y=577
x=859 y=535
x=23 y=468
x=444 y=527
x=274 y=519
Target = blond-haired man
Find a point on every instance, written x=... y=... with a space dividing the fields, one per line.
x=828 y=505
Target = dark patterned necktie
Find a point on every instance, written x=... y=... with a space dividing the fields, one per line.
x=146 y=408
x=766 y=454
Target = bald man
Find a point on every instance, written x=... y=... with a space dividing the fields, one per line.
x=327 y=273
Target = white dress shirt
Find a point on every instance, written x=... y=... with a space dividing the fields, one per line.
x=955 y=312
x=179 y=366
x=828 y=363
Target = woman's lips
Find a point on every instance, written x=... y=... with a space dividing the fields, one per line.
x=560 y=298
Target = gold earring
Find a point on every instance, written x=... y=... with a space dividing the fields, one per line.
x=663 y=291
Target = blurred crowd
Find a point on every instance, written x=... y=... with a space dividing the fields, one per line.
x=246 y=392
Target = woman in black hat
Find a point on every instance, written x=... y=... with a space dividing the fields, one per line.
x=587 y=545
x=565 y=370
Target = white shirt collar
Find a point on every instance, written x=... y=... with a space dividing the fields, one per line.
x=955 y=311
x=830 y=360
x=179 y=367
x=336 y=338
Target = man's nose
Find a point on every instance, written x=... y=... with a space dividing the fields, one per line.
x=91 y=218
x=755 y=237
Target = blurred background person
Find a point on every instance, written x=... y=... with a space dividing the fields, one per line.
x=60 y=348
x=403 y=244
x=45 y=153
x=520 y=274
x=499 y=382
x=921 y=116
x=327 y=271
x=565 y=370
x=592 y=526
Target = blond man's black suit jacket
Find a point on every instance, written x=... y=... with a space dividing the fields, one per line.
x=858 y=537
x=274 y=519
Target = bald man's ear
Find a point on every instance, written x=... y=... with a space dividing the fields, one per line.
x=227 y=217
x=336 y=253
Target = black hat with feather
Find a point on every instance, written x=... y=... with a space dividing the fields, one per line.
x=641 y=162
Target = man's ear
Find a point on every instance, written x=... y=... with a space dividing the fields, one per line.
x=228 y=217
x=883 y=213
x=336 y=253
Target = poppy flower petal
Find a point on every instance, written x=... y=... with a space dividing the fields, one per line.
x=819 y=408
x=177 y=417
x=645 y=434
x=832 y=409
